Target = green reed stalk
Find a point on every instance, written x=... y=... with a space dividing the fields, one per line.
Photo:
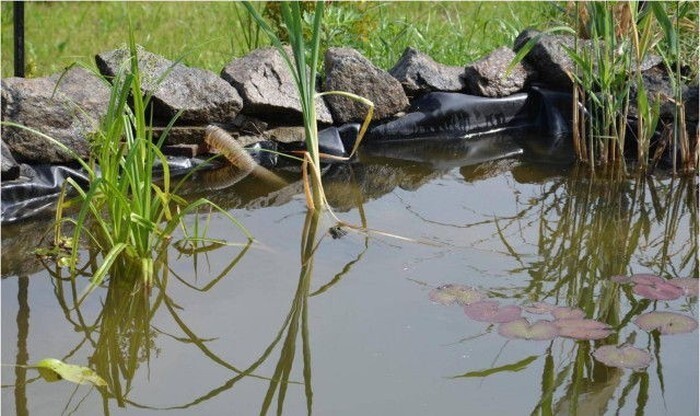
x=305 y=79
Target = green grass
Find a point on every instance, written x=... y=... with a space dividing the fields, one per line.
x=455 y=33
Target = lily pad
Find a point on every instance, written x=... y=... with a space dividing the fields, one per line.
x=688 y=284
x=563 y=312
x=490 y=311
x=667 y=323
x=582 y=329
x=454 y=293
x=625 y=356
x=522 y=329
x=653 y=287
x=539 y=308
x=52 y=369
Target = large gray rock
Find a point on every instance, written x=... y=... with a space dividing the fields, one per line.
x=658 y=84
x=347 y=70
x=549 y=58
x=268 y=90
x=420 y=74
x=10 y=167
x=487 y=76
x=202 y=96
x=69 y=116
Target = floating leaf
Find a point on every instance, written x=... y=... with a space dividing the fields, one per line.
x=540 y=308
x=515 y=367
x=52 y=369
x=522 y=329
x=490 y=311
x=653 y=287
x=453 y=293
x=563 y=312
x=668 y=323
x=625 y=356
x=621 y=279
x=688 y=284
x=583 y=329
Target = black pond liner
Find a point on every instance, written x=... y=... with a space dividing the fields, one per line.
x=467 y=129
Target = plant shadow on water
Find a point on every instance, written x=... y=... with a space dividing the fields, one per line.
x=563 y=243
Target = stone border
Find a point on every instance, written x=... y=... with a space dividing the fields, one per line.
x=254 y=97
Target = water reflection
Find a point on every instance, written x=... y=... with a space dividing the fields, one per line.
x=584 y=232
x=589 y=230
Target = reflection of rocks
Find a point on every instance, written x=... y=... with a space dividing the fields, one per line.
x=69 y=116
x=487 y=170
x=18 y=242
x=348 y=185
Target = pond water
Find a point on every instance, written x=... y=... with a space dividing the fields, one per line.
x=350 y=324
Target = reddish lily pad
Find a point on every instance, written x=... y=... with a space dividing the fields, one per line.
x=582 y=329
x=668 y=323
x=563 y=312
x=653 y=287
x=522 y=329
x=454 y=293
x=490 y=311
x=688 y=284
x=625 y=356
x=540 y=308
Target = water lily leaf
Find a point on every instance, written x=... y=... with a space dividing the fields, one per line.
x=625 y=356
x=454 y=293
x=563 y=312
x=688 y=284
x=653 y=287
x=582 y=329
x=52 y=369
x=540 y=308
x=668 y=323
x=490 y=311
x=522 y=329
x=515 y=367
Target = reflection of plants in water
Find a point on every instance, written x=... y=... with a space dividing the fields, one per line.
x=587 y=231
x=121 y=336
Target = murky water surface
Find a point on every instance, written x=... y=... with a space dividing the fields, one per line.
x=349 y=323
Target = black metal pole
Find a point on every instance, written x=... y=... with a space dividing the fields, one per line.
x=18 y=25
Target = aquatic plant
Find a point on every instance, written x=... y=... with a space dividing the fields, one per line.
x=609 y=65
x=304 y=75
x=128 y=216
x=624 y=356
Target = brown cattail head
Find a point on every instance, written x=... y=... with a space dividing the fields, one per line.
x=219 y=139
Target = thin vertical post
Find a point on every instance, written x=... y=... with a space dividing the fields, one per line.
x=18 y=26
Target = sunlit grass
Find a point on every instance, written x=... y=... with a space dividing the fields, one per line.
x=454 y=33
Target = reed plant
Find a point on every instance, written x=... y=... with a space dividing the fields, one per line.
x=303 y=66
x=609 y=65
x=127 y=216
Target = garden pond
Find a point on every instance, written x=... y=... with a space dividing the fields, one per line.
x=316 y=318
